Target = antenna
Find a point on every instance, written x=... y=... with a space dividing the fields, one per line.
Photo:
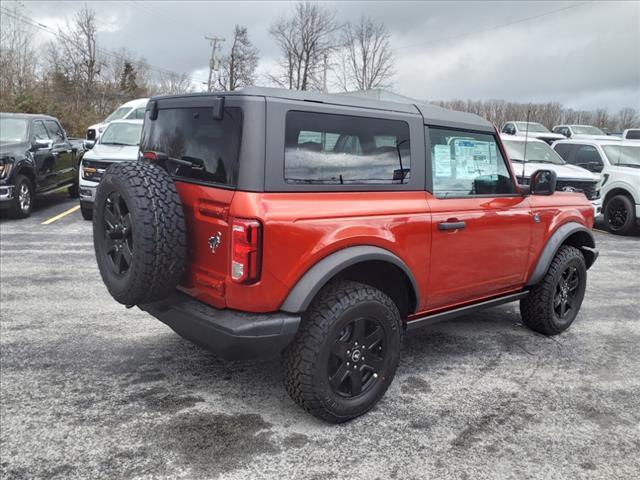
x=526 y=139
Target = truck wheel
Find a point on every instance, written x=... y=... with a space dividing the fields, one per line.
x=86 y=209
x=619 y=215
x=139 y=233
x=345 y=353
x=553 y=304
x=23 y=198
x=74 y=190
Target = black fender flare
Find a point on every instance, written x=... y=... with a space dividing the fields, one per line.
x=28 y=164
x=586 y=243
x=317 y=276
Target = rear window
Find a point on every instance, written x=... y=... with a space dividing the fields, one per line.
x=330 y=149
x=193 y=134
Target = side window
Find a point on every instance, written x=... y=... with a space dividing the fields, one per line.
x=466 y=164
x=39 y=132
x=138 y=114
x=564 y=150
x=586 y=155
x=328 y=149
x=57 y=135
x=507 y=127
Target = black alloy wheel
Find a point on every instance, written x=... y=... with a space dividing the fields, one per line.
x=357 y=357
x=617 y=214
x=118 y=234
x=565 y=298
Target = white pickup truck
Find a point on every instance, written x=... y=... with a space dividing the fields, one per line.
x=618 y=161
x=529 y=154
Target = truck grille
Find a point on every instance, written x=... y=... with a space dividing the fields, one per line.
x=91 y=134
x=590 y=189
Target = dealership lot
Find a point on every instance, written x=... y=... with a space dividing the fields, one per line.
x=92 y=390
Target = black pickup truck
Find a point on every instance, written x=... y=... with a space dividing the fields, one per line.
x=36 y=157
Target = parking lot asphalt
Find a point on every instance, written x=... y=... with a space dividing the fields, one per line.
x=90 y=389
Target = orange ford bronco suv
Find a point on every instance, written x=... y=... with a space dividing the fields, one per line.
x=325 y=227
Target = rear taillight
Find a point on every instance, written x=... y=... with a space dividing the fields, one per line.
x=152 y=156
x=245 y=250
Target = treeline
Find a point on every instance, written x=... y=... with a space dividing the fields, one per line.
x=72 y=77
x=549 y=114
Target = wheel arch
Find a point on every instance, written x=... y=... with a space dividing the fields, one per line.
x=573 y=234
x=617 y=191
x=366 y=264
x=28 y=171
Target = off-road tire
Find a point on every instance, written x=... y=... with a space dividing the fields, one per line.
x=15 y=210
x=306 y=358
x=537 y=309
x=629 y=225
x=86 y=210
x=157 y=232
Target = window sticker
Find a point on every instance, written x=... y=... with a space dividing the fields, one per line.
x=442 y=160
x=474 y=159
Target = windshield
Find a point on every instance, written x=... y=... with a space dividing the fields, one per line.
x=623 y=155
x=118 y=114
x=122 y=134
x=533 y=127
x=13 y=130
x=587 y=130
x=538 y=152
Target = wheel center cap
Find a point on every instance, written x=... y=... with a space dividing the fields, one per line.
x=355 y=355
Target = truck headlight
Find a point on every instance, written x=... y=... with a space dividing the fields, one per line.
x=5 y=169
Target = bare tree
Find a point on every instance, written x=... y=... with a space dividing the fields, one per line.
x=366 y=58
x=18 y=60
x=171 y=83
x=305 y=40
x=627 y=118
x=238 y=68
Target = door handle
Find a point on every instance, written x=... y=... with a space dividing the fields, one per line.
x=451 y=225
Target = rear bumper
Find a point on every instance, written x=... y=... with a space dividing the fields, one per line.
x=230 y=334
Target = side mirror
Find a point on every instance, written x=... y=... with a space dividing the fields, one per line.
x=88 y=144
x=42 y=144
x=543 y=182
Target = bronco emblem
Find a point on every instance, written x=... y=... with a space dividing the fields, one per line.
x=215 y=241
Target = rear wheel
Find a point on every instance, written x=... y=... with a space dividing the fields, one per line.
x=554 y=303
x=619 y=215
x=345 y=353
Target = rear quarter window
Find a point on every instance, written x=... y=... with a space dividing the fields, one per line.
x=193 y=134
x=331 y=149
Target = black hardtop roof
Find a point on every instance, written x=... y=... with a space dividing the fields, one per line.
x=432 y=114
x=27 y=116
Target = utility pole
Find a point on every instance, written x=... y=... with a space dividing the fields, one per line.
x=324 y=74
x=214 y=62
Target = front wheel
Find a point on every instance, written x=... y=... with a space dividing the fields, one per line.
x=86 y=209
x=345 y=353
x=619 y=215
x=553 y=304
x=23 y=197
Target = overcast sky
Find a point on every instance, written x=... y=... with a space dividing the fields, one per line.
x=582 y=54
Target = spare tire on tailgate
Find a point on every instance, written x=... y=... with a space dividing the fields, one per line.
x=139 y=232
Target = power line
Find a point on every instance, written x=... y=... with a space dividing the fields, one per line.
x=490 y=29
x=29 y=21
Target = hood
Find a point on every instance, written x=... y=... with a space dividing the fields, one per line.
x=8 y=148
x=555 y=136
x=593 y=137
x=564 y=172
x=112 y=153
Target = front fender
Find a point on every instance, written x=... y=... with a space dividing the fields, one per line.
x=317 y=276
x=584 y=240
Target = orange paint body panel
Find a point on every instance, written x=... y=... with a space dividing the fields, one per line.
x=495 y=253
